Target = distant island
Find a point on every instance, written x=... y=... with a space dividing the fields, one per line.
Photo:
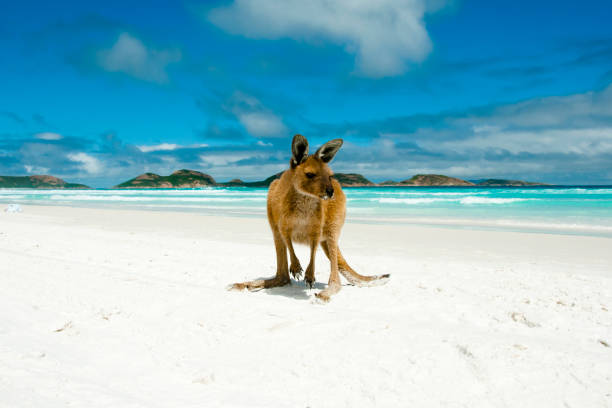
x=353 y=180
x=262 y=183
x=429 y=180
x=507 y=183
x=194 y=179
x=42 y=181
x=179 y=179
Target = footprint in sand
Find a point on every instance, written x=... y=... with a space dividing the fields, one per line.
x=520 y=318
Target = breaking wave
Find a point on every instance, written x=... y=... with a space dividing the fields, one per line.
x=464 y=200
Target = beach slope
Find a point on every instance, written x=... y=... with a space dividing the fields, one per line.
x=129 y=308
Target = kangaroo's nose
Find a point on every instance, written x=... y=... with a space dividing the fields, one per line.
x=330 y=191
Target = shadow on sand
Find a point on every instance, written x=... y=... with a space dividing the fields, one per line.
x=295 y=290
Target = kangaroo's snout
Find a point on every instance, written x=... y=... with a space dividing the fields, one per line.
x=330 y=191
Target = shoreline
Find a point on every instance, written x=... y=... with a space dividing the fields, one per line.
x=519 y=225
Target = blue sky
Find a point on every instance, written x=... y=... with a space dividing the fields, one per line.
x=99 y=93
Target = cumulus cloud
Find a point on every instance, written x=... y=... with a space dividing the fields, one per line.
x=48 y=136
x=130 y=56
x=557 y=139
x=384 y=35
x=87 y=162
x=586 y=142
x=258 y=120
x=582 y=110
x=261 y=123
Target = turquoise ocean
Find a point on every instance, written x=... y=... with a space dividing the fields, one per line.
x=583 y=210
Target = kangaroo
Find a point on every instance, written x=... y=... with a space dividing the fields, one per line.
x=307 y=206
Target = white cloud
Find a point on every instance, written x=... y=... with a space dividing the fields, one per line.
x=485 y=128
x=573 y=124
x=586 y=142
x=256 y=118
x=224 y=159
x=261 y=123
x=48 y=136
x=565 y=139
x=130 y=56
x=35 y=169
x=88 y=163
x=384 y=35
x=168 y=147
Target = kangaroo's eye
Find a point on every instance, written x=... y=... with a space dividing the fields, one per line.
x=310 y=175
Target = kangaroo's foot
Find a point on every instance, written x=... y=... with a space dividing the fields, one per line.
x=296 y=270
x=326 y=294
x=260 y=284
x=309 y=278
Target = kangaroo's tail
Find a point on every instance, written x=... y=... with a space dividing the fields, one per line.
x=357 y=279
x=353 y=277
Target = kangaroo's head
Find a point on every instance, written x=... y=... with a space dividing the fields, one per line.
x=311 y=174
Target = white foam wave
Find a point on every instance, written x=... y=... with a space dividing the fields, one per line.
x=465 y=200
x=138 y=192
x=59 y=197
x=11 y=197
x=409 y=201
x=554 y=191
x=488 y=200
x=422 y=193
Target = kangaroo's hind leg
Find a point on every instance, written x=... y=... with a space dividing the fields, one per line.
x=349 y=273
x=333 y=285
x=282 y=271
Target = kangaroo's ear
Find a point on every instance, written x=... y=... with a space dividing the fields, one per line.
x=299 y=149
x=327 y=152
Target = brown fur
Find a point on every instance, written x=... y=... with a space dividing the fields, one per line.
x=307 y=206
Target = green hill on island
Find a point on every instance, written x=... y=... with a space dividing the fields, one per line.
x=179 y=179
x=263 y=183
x=352 y=180
x=507 y=183
x=240 y=183
x=429 y=180
x=38 y=181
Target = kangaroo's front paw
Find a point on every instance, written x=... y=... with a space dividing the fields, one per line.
x=309 y=278
x=296 y=270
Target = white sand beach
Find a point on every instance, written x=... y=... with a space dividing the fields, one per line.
x=118 y=308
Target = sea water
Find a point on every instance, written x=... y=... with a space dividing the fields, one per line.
x=584 y=210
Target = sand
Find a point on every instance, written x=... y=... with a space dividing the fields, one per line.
x=117 y=308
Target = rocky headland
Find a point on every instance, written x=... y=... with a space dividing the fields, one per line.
x=38 y=181
x=179 y=179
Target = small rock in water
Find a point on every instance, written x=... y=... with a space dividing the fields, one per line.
x=13 y=208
